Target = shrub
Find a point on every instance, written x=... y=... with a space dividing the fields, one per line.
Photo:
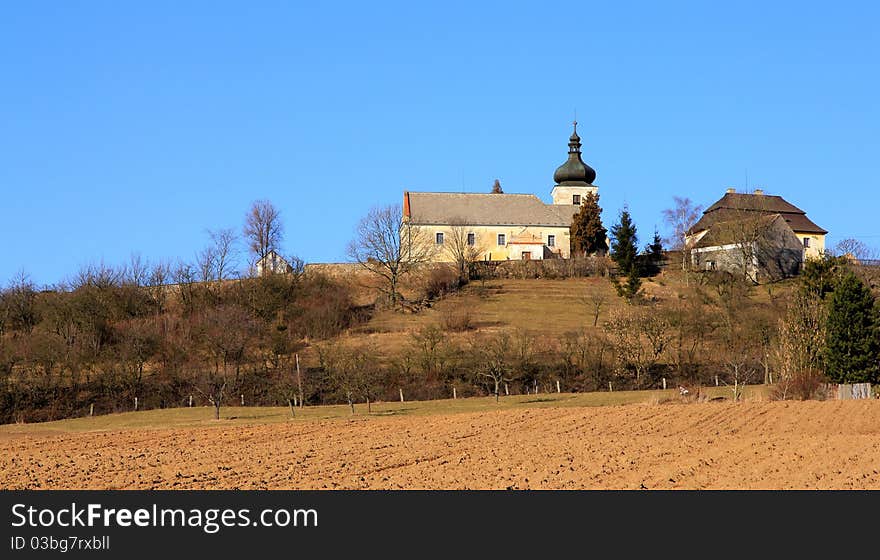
x=438 y=282
x=457 y=318
x=802 y=385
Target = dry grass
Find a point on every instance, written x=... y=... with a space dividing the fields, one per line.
x=237 y=416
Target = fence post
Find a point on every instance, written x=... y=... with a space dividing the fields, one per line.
x=299 y=381
x=716 y=380
x=92 y=409
x=454 y=395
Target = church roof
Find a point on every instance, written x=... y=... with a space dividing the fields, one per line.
x=734 y=206
x=484 y=209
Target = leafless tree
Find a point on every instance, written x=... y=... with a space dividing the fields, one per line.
x=390 y=247
x=760 y=244
x=680 y=218
x=859 y=250
x=495 y=360
x=801 y=340
x=348 y=371
x=594 y=301
x=206 y=261
x=18 y=305
x=138 y=270
x=224 y=334
x=464 y=252
x=225 y=252
x=639 y=339
x=263 y=230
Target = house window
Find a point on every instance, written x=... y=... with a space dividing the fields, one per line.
x=551 y=241
x=472 y=239
x=439 y=238
x=806 y=242
x=502 y=239
x=576 y=199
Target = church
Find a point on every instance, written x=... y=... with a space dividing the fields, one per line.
x=498 y=226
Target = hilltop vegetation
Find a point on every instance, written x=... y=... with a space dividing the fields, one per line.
x=107 y=340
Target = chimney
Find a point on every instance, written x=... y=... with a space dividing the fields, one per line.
x=730 y=190
x=759 y=191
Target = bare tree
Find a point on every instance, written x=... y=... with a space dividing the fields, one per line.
x=639 y=339
x=801 y=339
x=347 y=370
x=462 y=244
x=680 y=218
x=390 y=247
x=138 y=270
x=225 y=252
x=206 y=261
x=18 y=305
x=858 y=250
x=763 y=244
x=495 y=360
x=594 y=301
x=224 y=334
x=263 y=229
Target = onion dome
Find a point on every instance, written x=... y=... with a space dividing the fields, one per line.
x=574 y=171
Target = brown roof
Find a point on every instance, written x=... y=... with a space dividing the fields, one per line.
x=733 y=206
x=430 y=208
x=734 y=231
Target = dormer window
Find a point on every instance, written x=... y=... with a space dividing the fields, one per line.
x=576 y=199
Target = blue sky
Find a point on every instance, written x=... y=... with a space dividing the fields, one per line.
x=134 y=126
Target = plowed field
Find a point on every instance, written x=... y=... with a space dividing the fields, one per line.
x=832 y=445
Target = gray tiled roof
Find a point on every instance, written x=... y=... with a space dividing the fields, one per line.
x=486 y=209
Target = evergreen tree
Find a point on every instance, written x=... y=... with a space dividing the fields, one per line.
x=654 y=255
x=852 y=344
x=624 y=242
x=496 y=187
x=588 y=235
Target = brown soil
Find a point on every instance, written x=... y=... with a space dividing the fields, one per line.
x=832 y=445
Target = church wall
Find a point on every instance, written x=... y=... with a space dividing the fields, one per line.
x=487 y=240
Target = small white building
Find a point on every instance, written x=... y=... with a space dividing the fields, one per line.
x=272 y=263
